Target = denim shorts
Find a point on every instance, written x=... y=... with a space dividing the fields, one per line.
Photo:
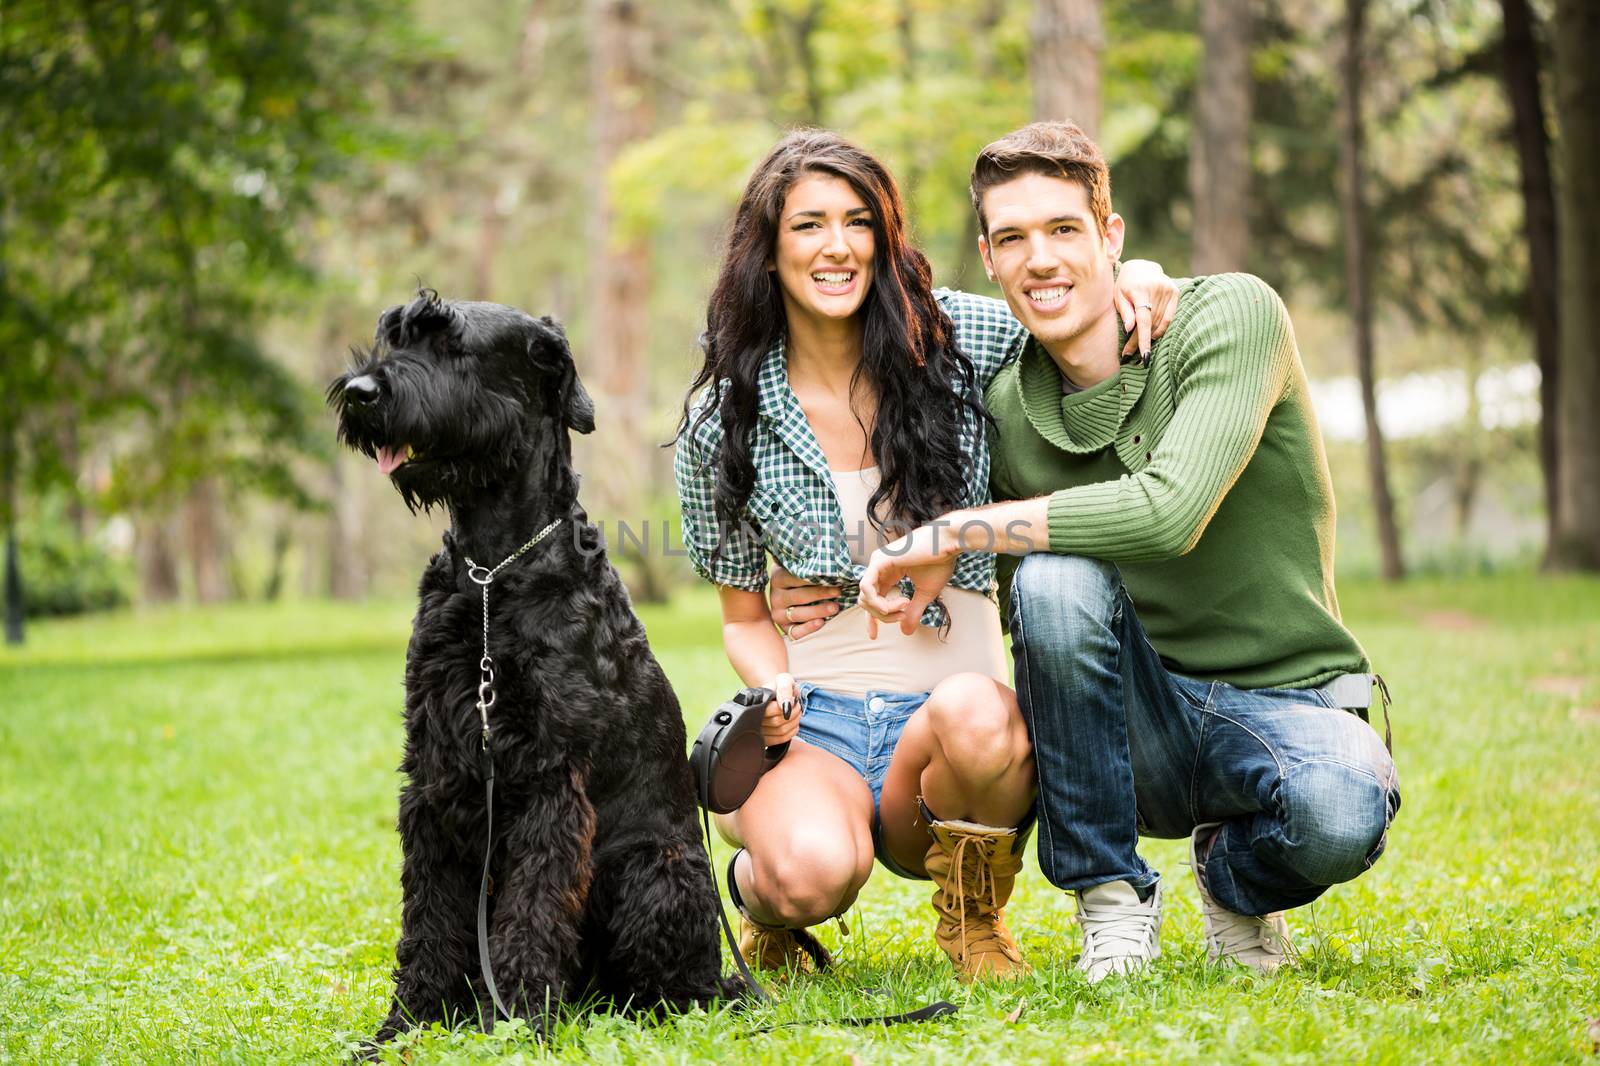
x=863 y=731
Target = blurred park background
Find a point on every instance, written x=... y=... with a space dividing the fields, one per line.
x=204 y=205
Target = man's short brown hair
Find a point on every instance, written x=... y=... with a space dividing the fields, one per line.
x=1054 y=149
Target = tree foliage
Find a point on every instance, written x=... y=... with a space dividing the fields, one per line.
x=157 y=155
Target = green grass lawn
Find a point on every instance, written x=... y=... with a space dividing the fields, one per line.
x=198 y=863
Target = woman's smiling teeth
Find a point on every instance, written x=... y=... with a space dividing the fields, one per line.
x=833 y=281
x=1049 y=297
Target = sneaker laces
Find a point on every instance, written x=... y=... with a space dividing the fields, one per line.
x=1118 y=929
x=1229 y=933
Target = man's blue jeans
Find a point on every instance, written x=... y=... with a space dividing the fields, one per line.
x=1305 y=791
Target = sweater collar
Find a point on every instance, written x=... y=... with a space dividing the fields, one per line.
x=1082 y=422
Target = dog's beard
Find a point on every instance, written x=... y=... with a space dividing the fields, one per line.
x=438 y=437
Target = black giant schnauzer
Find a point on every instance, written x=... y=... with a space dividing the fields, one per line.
x=599 y=880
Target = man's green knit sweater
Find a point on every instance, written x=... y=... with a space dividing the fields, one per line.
x=1202 y=476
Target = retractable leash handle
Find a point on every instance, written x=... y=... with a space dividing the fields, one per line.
x=729 y=756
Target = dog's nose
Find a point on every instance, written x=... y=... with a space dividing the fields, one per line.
x=361 y=390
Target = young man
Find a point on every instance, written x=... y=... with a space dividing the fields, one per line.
x=1180 y=660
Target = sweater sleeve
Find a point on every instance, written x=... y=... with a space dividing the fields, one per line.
x=1232 y=363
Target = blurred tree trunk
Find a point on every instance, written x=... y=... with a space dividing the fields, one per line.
x=985 y=17
x=13 y=572
x=207 y=542
x=158 y=560
x=1520 y=53
x=1359 y=283
x=620 y=303
x=282 y=538
x=1066 y=40
x=347 y=562
x=910 y=98
x=9 y=448
x=78 y=516
x=1219 y=156
x=348 y=567
x=1577 y=85
x=1470 y=452
x=489 y=224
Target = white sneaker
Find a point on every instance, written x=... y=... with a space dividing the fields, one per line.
x=1120 y=934
x=1259 y=943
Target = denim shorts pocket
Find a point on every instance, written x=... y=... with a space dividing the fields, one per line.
x=833 y=732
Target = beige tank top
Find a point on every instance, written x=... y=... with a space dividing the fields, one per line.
x=839 y=657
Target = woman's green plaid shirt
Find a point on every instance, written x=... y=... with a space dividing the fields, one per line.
x=793 y=512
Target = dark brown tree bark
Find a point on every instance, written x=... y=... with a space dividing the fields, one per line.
x=1520 y=54
x=1067 y=39
x=1358 y=281
x=1219 y=154
x=1577 y=88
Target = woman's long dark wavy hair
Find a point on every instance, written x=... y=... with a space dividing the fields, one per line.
x=924 y=383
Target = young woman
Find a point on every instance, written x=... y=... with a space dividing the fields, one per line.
x=839 y=405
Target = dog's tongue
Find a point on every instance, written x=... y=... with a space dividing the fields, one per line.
x=389 y=459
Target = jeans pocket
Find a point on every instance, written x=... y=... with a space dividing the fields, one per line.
x=1198 y=694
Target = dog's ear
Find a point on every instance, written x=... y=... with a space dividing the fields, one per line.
x=388 y=330
x=404 y=325
x=550 y=351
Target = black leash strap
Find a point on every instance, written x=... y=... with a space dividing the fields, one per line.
x=722 y=916
x=487 y=763
x=940 y=1009
x=1388 y=733
x=483 y=577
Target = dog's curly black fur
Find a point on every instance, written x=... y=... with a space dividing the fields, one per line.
x=600 y=882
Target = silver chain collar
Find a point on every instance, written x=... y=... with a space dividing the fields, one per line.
x=484 y=577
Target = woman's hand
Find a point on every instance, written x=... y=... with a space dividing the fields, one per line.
x=1146 y=299
x=781 y=723
x=800 y=609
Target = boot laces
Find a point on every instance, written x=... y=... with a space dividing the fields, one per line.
x=971 y=876
x=777 y=947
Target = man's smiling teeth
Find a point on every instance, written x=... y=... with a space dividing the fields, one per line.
x=1048 y=296
x=834 y=279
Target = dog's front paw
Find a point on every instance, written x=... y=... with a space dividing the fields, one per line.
x=734 y=991
x=371 y=1049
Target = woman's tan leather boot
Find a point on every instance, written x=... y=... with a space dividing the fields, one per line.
x=975 y=867
x=774 y=948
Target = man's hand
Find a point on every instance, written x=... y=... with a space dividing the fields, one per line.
x=1146 y=300
x=927 y=556
x=799 y=609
